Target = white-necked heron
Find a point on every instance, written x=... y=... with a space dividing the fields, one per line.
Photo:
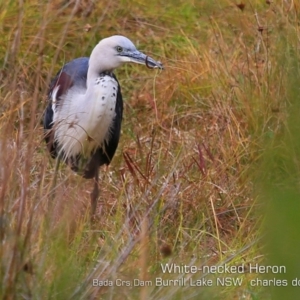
x=83 y=118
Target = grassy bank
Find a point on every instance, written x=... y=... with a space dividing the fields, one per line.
x=205 y=144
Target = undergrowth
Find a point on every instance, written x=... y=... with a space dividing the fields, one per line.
x=181 y=187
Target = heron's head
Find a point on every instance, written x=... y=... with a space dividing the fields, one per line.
x=113 y=51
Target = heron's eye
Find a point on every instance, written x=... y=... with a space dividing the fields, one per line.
x=119 y=49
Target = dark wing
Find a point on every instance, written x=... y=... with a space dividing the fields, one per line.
x=104 y=156
x=74 y=72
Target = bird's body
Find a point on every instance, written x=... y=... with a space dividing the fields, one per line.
x=83 y=118
x=83 y=130
x=82 y=121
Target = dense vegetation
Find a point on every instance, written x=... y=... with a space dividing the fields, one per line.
x=208 y=147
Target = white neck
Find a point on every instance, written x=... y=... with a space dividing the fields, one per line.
x=93 y=73
x=100 y=63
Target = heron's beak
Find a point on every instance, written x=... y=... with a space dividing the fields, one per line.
x=140 y=58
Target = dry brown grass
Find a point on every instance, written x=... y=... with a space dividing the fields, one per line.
x=181 y=186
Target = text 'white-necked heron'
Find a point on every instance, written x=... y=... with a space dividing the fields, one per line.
x=83 y=119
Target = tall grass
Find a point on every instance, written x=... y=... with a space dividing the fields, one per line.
x=196 y=140
x=280 y=183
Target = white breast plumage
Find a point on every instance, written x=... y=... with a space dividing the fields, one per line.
x=82 y=120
